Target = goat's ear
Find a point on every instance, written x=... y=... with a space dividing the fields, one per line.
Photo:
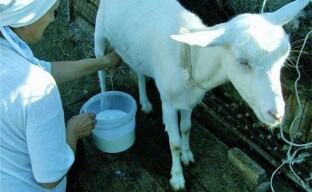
x=214 y=36
x=287 y=12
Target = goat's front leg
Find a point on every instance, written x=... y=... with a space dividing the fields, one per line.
x=185 y=126
x=145 y=103
x=171 y=123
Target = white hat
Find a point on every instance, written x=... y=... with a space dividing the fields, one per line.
x=18 y=13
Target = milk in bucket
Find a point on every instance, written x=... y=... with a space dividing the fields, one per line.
x=115 y=114
x=110 y=115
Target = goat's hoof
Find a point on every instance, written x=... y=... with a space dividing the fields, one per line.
x=177 y=183
x=187 y=158
x=147 y=108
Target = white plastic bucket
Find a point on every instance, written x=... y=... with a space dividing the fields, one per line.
x=115 y=133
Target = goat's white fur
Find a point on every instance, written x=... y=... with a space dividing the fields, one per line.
x=249 y=51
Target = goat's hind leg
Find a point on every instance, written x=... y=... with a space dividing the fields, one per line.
x=185 y=127
x=145 y=103
x=100 y=46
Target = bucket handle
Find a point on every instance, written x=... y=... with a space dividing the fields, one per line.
x=82 y=109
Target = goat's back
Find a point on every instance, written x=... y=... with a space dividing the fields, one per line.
x=140 y=30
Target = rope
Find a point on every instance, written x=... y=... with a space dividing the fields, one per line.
x=291 y=156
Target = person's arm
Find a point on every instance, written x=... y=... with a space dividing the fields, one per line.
x=65 y=71
x=77 y=127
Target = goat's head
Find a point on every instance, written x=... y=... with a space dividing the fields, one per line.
x=253 y=63
x=256 y=47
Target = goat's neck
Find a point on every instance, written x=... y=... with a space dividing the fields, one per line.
x=204 y=67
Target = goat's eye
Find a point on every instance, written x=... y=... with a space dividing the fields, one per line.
x=243 y=61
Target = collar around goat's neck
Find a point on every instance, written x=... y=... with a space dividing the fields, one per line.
x=187 y=64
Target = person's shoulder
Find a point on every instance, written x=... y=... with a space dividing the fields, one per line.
x=23 y=74
x=40 y=76
x=9 y=57
x=5 y=46
x=18 y=65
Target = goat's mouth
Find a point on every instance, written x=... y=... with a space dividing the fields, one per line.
x=269 y=119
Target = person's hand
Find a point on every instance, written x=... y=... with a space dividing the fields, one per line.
x=80 y=126
x=110 y=61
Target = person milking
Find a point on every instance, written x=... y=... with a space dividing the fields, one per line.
x=37 y=146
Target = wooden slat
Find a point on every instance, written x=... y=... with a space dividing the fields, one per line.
x=84 y=9
x=95 y=2
x=146 y=165
x=233 y=137
x=97 y=176
x=82 y=23
x=126 y=169
x=212 y=168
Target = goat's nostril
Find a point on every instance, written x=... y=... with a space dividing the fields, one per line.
x=277 y=117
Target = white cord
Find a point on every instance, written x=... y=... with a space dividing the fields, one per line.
x=291 y=160
x=263 y=5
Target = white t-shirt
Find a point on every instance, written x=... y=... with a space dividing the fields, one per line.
x=33 y=144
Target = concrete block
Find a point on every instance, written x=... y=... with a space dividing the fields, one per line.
x=253 y=173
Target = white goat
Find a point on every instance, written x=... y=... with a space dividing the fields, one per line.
x=248 y=51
